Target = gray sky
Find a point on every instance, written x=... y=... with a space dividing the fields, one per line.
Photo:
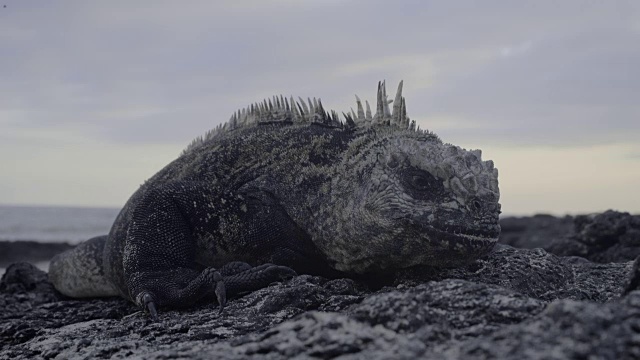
x=95 y=97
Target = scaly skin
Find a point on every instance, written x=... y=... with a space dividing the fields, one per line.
x=286 y=186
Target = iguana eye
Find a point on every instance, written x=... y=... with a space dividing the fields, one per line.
x=420 y=181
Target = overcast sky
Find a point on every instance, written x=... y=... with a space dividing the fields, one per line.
x=95 y=97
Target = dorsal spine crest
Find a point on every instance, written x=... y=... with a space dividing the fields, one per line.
x=281 y=109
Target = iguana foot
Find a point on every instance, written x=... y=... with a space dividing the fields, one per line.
x=177 y=288
x=254 y=278
x=182 y=287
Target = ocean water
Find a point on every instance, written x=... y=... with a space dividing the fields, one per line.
x=53 y=223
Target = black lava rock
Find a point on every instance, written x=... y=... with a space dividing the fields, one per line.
x=511 y=304
x=610 y=236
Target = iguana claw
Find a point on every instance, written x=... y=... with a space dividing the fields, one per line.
x=221 y=291
x=150 y=306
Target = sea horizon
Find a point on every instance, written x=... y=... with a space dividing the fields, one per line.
x=52 y=223
x=76 y=223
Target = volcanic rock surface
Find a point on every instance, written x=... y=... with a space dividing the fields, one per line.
x=575 y=294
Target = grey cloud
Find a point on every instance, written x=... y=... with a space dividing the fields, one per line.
x=165 y=71
x=573 y=89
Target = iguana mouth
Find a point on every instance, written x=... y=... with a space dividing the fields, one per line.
x=487 y=233
x=465 y=242
x=447 y=246
x=469 y=241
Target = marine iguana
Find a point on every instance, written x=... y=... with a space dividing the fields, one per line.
x=283 y=187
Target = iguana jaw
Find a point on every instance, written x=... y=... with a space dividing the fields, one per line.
x=457 y=247
x=413 y=243
x=451 y=246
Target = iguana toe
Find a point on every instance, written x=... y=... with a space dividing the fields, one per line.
x=256 y=278
x=234 y=267
x=149 y=305
x=221 y=291
x=284 y=273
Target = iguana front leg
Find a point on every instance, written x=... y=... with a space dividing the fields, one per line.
x=167 y=288
x=160 y=252
x=232 y=279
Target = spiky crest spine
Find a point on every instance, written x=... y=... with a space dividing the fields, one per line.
x=279 y=109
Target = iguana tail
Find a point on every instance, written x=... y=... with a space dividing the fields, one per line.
x=79 y=273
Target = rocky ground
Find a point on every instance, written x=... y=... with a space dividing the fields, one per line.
x=568 y=289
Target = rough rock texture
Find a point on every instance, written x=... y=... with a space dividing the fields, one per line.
x=607 y=237
x=610 y=236
x=536 y=231
x=511 y=304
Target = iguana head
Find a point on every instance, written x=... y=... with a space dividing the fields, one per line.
x=403 y=198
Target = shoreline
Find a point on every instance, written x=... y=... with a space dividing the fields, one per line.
x=42 y=265
x=32 y=251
